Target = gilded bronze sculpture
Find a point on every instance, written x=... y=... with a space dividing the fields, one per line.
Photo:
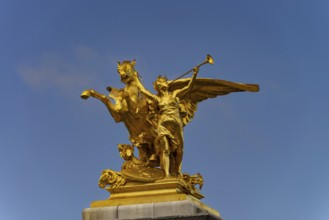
x=155 y=123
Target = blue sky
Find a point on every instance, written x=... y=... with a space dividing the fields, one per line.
x=263 y=155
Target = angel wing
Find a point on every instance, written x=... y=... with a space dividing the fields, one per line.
x=203 y=89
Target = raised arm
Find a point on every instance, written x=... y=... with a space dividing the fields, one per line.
x=143 y=90
x=183 y=91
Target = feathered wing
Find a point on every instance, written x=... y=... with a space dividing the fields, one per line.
x=203 y=89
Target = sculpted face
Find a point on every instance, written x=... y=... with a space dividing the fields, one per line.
x=126 y=151
x=161 y=84
x=126 y=70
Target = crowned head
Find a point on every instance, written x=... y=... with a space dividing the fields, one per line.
x=161 y=83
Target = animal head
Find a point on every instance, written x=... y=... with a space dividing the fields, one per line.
x=103 y=180
x=127 y=71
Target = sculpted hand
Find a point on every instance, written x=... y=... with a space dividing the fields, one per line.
x=196 y=70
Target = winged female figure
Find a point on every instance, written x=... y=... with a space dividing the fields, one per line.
x=169 y=141
x=176 y=103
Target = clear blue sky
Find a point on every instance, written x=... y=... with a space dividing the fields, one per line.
x=263 y=155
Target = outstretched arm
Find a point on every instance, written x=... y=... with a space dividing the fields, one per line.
x=182 y=92
x=143 y=90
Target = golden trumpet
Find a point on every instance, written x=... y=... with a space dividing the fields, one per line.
x=208 y=59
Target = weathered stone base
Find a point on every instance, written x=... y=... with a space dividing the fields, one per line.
x=187 y=209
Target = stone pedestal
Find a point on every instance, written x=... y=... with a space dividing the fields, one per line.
x=170 y=198
x=167 y=190
x=187 y=209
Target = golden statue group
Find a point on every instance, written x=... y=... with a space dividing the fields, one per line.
x=155 y=122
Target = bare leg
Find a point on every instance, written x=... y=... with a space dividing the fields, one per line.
x=164 y=157
x=179 y=153
x=179 y=158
